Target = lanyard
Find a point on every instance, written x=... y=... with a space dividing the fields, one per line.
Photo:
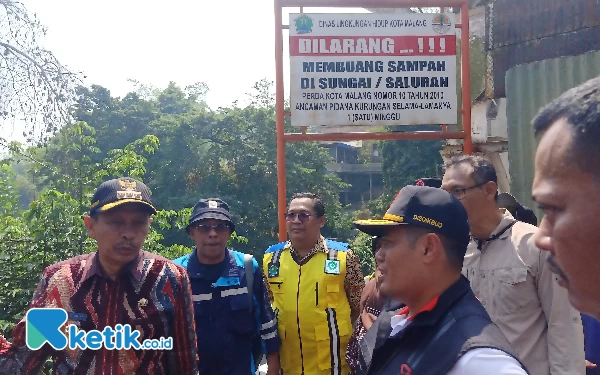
x=494 y=237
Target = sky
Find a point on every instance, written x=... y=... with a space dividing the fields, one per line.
x=228 y=44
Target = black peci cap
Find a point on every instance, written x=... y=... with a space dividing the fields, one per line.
x=114 y=193
x=425 y=207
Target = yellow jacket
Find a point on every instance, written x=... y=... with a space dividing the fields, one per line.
x=313 y=310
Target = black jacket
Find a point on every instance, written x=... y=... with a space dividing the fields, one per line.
x=435 y=340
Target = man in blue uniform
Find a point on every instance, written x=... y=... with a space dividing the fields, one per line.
x=234 y=318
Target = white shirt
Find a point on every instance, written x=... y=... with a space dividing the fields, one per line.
x=476 y=361
x=486 y=361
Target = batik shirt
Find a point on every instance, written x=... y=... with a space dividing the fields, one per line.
x=152 y=295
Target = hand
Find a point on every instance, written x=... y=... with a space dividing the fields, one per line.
x=589 y=364
x=368 y=319
x=273 y=364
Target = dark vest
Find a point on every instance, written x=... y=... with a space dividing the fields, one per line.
x=224 y=327
x=435 y=340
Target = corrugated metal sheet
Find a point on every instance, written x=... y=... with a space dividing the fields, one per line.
x=520 y=32
x=518 y=21
x=528 y=88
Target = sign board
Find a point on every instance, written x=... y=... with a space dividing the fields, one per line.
x=372 y=69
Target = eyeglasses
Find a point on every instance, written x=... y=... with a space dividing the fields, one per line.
x=302 y=216
x=460 y=193
x=219 y=228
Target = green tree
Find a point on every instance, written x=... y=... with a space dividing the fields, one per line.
x=240 y=167
x=35 y=88
x=362 y=247
x=229 y=153
x=117 y=122
x=406 y=161
x=8 y=191
x=403 y=162
x=52 y=228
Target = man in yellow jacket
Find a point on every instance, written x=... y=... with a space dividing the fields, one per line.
x=316 y=285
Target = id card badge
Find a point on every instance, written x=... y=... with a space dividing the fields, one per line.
x=273 y=271
x=78 y=317
x=332 y=267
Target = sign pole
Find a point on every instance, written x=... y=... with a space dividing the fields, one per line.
x=307 y=112
x=280 y=123
x=466 y=77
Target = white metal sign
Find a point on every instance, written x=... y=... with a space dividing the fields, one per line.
x=372 y=69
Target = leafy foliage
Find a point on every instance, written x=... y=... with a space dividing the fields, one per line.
x=183 y=151
x=229 y=153
x=52 y=228
x=362 y=247
x=403 y=162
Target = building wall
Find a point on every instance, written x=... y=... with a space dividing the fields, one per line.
x=528 y=88
x=366 y=179
x=521 y=32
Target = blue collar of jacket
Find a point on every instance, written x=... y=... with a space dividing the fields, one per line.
x=229 y=277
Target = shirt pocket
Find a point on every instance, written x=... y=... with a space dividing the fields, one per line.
x=327 y=295
x=513 y=292
x=242 y=321
x=276 y=284
x=333 y=295
x=333 y=292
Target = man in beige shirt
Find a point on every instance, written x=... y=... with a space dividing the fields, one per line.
x=511 y=277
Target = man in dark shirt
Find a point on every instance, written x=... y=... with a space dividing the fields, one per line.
x=443 y=329
x=117 y=284
x=234 y=318
x=372 y=301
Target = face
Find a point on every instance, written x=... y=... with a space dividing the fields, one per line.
x=210 y=236
x=570 y=199
x=302 y=222
x=399 y=264
x=475 y=198
x=119 y=233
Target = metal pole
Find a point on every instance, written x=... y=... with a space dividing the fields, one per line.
x=279 y=99
x=280 y=121
x=466 y=77
x=369 y=3
x=367 y=136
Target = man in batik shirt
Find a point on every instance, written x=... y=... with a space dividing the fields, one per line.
x=118 y=284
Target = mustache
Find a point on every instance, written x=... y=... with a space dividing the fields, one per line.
x=556 y=269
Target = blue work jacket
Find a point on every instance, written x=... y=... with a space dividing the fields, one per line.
x=227 y=332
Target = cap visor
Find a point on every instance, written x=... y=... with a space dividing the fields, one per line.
x=375 y=227
x=121 y=202
x=210 y=215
